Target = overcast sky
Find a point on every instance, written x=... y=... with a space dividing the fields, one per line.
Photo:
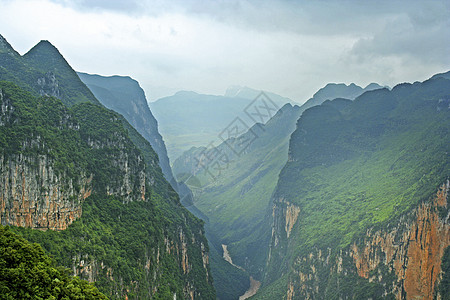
x=288 y=47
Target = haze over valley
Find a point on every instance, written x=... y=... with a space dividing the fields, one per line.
x=224 y=149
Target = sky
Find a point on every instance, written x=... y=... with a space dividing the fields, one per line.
x=288 y=47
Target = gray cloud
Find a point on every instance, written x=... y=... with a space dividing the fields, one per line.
x=128 y=6
x=421 y=34
x=289 y=47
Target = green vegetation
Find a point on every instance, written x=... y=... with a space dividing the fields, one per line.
x=236 y=203
x=123 y=238
x=126 y=97
x=360 y=165
x=43 y=71
x=26 y=272
x=120 y=240
x=134 y=238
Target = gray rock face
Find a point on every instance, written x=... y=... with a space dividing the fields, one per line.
x=35 y=196
x=49 y=85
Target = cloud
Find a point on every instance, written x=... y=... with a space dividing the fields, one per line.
x=290 y=47
x=128 y=6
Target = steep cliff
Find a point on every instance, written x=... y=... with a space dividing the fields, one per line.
x=84 y=171
x=125 y=96
x=413 y=250
x=401 y=261
x=360 y=209
x=25 y=179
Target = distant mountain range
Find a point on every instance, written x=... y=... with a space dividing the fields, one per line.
x=338 y=90
x=189 y=119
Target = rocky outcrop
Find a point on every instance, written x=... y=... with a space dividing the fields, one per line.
x=285 y=215
x=291 y=212
x=48 y=85
x=34 y=195
x=413 y=251
x=129 y=186
x=402 y=260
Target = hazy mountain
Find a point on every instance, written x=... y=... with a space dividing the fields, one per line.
x=244 y=92
x=338 y=90
x=189 y=119
x=78 y=179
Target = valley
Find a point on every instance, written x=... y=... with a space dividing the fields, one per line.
x=230 y=150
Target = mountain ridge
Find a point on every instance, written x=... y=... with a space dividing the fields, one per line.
x=81 y=170
x=366 y=168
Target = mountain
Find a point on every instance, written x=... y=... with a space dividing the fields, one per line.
x=125 y=96
x=92 y=185
x=338 y=90
x=361 y=207
x=244 y=92
x=189 y=119
x=44 y=71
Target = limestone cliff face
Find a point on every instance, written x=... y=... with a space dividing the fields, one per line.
x=284 y=215
x=402 y=260
x=48 y=85
x=90 y=269
x=34 y=195
x=413 y=251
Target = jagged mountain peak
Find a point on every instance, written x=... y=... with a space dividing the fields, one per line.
x=48 y=74
x=372 y=86
x=332 y=87
x=42 y=47
x=45 y=55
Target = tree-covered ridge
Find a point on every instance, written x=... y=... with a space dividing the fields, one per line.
x=40 y=126
x=354 y=166
x=127 y=243
x=388 y=147
x=151 y=248
x=43 y=71
x=126 y=97
x=26 y=272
